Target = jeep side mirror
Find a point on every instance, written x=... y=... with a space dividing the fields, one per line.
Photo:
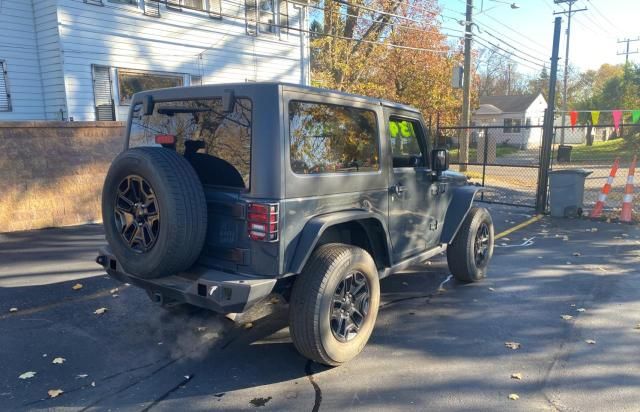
x=439 y=160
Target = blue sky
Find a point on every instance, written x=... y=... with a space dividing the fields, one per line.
x=530 y=28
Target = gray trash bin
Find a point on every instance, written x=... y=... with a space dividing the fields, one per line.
x=567 y=191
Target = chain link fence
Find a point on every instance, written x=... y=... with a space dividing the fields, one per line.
x=506 y=160
x=595 y=149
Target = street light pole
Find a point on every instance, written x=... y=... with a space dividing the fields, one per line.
x=466 y=90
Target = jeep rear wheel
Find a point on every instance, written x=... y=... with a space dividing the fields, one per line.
x=470 y=252
x=154 y=212
x=334 y=304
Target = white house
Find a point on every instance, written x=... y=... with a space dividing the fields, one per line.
x=513 y=116
x=82 y=59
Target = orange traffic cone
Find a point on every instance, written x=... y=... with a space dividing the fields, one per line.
x=602 y=197
x=627 y=200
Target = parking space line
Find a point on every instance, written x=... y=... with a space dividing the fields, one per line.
x=519 y=226
x=38 y=309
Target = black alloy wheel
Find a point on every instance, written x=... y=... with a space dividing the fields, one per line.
x=350 y=306
x=481 y=244
x=136 y=213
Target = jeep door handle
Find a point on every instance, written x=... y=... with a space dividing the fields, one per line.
x=398 y=189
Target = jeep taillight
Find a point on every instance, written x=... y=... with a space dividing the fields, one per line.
x=262 y=221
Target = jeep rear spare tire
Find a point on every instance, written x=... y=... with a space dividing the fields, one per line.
x=334 y=304
x=470 y=252
x=154 y=212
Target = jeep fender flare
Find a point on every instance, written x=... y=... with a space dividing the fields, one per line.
x=461 y=202
x=313 y=230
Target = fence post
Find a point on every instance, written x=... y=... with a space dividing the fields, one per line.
x=484 y=158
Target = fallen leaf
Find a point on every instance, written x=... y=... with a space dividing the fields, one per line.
x=93 y=384
x=187 y=377
x=566 y=317
x=115 y=295
x=274 y=300
x=100 y=311
x=44 y=355
x=512 y=345
x=248 y=325
x=539 y=257
x=59 y=360
x=112 y=291
x=573 y=305
x=27 y=375
x=517 y=376
x=13 y=310
x=624 y=235
x=581 y=310
x=590 y=341
x=568 y=263
x=492 y=289
x=565 y=238
x=54 y=393
x=405 y=283
x=506 y=239
x=577 y=254
x=594 y=229
x=81 y=376
x=77 y=286
x=514 y=397
x=201 y=328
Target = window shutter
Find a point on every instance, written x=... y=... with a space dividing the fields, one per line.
x=105 y=109
x=283 y=10
x=215 y=9
x=5 y=97
x=251 y=16
x=152 y=8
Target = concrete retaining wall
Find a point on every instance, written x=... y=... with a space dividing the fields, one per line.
x=51 y=173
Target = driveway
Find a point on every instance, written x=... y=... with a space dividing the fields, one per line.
x=438 y=344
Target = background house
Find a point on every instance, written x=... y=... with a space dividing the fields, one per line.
x=513 y=115
x=83 y=59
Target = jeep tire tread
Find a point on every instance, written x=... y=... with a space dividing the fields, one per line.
x=461 y=253
x=182 y=211
x=312 y=297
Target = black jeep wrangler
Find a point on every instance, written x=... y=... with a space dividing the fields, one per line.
x=225 y=194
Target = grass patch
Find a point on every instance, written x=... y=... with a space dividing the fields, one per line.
x=501 y=151
x=609 y=150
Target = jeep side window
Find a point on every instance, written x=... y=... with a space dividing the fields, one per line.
x=327 y=138
x=405 y=139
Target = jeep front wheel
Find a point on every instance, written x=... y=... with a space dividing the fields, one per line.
x=334 y=304
x=470 y=252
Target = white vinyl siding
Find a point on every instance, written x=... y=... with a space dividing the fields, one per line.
x=178 y=41
x=46 y=16
x=18 y=52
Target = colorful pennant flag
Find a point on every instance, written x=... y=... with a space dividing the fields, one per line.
x=635 y=116
x=595 y=116
x=574 y=118
x=617 y=116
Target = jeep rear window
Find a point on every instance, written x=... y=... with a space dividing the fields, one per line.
x=327 y=138
x=217 y=144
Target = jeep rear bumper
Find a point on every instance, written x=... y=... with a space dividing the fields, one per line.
x=219 y=291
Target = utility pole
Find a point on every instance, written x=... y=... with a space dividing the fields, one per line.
x=466 y=91
x=627 y=52
x=570 y=13
x=547 y=133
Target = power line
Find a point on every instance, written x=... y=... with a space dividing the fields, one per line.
x=515 y=48
x=509 y=56
x=510 y=52
x=602 y=15
x=513 y=39
x=516 y=32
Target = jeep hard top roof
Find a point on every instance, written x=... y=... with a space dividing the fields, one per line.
x=257 y=88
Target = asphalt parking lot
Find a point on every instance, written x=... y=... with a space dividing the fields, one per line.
x=438 y=344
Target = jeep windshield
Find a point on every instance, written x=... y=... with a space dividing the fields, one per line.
x=217 y=144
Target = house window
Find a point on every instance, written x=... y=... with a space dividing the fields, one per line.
x=267 y=14
x=102 y=94
x=283 y=11
x=250 y=15
x=215 y=9
x=512 y=125
x=134 y=81
x=5 y=97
